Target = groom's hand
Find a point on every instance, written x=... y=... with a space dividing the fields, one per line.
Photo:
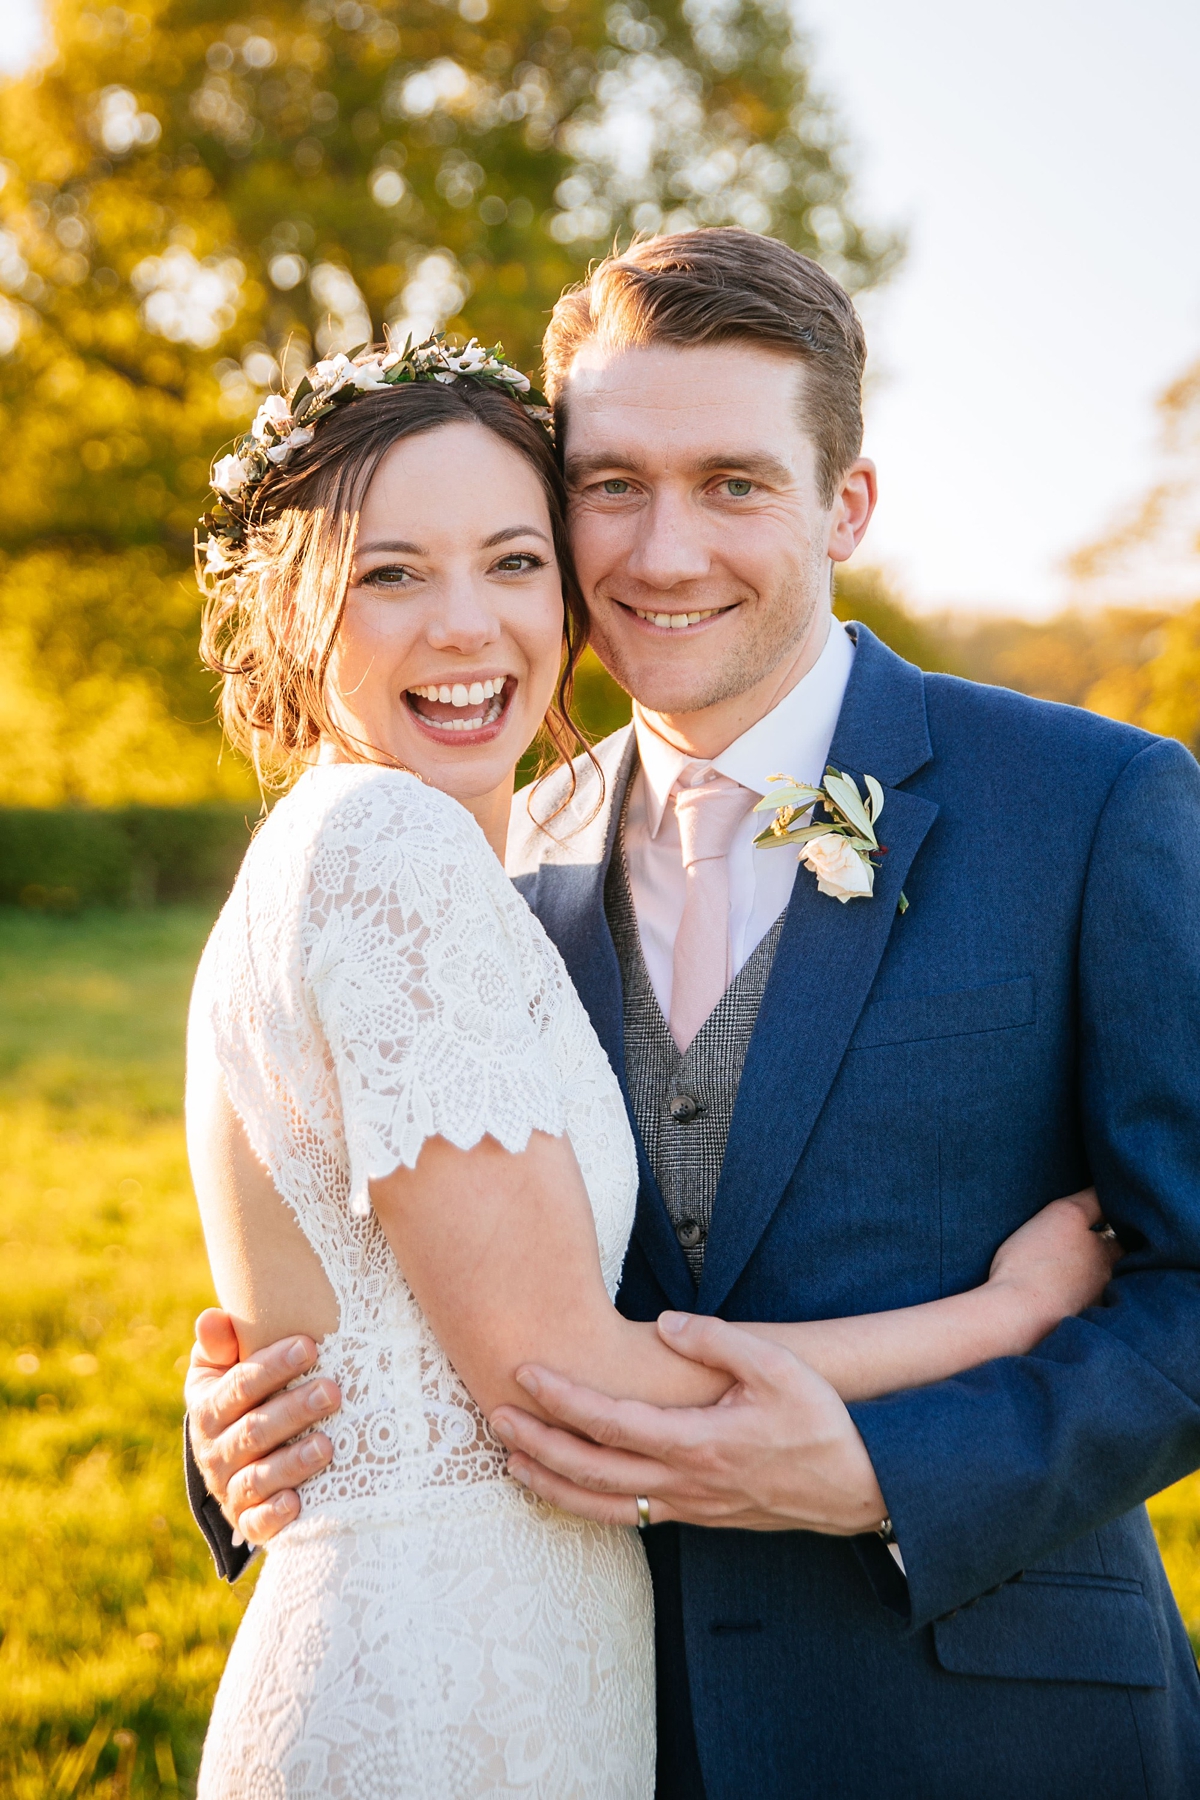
x=240 y=1421
x=779 y=1452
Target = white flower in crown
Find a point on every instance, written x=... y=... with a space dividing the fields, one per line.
x=838 y=849
x=295 y=440
x=230 y=475
x=216 y=560
x=273 y=418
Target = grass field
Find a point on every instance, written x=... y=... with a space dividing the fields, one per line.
x=114 y=1628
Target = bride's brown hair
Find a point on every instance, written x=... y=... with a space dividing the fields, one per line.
x=270 y=620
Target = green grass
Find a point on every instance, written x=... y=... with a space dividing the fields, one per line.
x=114 y=1627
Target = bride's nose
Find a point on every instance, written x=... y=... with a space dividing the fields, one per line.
x=464 y=617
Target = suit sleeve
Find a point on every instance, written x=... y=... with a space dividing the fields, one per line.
x=230 y=1558
x=989 y=1473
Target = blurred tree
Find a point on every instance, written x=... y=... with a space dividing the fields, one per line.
x=1063 y=658
x=1154 y=552
x=867 y=595
x=198 y=194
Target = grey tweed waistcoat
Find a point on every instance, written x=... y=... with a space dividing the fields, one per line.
x=683 y=1104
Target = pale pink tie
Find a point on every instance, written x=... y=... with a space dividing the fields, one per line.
x=708 y=816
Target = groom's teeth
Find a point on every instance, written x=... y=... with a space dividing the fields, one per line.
x=443 y=695
x=676 y=621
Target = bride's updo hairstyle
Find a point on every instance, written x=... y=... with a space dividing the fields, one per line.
x=276 y=564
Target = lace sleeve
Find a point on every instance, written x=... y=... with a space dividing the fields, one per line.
x=415 y=966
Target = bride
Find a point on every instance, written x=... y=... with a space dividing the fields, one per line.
x=380 y=1024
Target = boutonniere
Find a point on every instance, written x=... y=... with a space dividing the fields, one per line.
x=838 y=849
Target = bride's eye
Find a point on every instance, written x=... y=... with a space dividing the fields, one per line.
x=520 y=562
x=390 y=577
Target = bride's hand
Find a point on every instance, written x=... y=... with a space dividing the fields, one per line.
x=1055 y=1264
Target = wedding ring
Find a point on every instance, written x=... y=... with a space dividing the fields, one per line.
x=1105 y=1230
x=643 y=1506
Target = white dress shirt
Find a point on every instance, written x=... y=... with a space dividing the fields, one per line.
x=792 y=739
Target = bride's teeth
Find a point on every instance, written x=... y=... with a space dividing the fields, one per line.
x=475 y=693
x=458 y=694
x=442 y=694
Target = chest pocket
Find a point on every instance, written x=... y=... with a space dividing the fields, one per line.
x=960 y=1012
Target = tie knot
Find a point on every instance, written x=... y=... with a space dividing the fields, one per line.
x=708 y=816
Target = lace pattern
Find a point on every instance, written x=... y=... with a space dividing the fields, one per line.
x=375 y=980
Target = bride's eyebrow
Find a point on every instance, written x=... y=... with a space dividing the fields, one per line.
x=512 y=531
x=397 y=544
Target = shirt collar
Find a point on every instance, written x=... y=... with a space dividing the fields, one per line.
x=793 y=738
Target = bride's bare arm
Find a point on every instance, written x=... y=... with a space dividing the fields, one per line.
x=500 y=1252
x=1054 y=1266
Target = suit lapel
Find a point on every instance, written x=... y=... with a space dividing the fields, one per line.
x=564 y=884
x=568 y=897
x=824 y=968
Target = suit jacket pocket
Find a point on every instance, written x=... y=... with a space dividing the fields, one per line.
x=1050 y=1627
x=916 y=1018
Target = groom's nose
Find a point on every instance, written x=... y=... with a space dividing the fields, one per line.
x=669 y=547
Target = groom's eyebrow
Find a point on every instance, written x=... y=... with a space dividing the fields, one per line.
x=759 y=464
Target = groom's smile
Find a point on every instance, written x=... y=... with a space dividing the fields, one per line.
x=700 y=533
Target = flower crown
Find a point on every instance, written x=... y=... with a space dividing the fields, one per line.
x=282 y=426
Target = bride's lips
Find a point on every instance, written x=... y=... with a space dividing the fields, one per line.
x=461 y=712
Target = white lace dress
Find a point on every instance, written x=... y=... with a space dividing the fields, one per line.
x=424 y=1628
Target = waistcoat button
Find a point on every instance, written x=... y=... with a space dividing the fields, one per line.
x=683 y=1107
x=688 y=1233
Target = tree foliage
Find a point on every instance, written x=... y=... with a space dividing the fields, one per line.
x=200 y=194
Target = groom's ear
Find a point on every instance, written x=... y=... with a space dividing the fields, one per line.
x=852 y=507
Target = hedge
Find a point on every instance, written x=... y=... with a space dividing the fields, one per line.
x=56 y=861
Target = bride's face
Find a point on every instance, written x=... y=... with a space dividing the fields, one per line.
x=449 y=647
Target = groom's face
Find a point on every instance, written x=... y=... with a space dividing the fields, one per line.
x=699 y=530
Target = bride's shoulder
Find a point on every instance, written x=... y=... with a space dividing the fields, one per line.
x=362 y=804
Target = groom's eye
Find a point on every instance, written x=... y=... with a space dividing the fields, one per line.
x=615 y=486
x=738 y=487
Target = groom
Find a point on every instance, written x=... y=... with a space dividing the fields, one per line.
x=841 y=1107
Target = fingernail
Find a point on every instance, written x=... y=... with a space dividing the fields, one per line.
x=311 y=1453
x=518 y=1472
x=282 y=1506
x=529 y=1381
x=318 y=1399
x=502 y=1430
x=672 y=1323
x=297 y=1355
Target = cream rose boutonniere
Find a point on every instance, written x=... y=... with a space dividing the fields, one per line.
x=840 y=848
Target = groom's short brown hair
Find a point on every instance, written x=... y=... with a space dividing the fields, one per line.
x=719 y=286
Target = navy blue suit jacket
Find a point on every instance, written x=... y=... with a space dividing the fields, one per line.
x=918 y=1085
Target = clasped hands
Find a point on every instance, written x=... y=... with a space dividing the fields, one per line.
x=778 y=1452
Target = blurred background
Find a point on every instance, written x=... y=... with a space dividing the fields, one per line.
x=198 y=195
